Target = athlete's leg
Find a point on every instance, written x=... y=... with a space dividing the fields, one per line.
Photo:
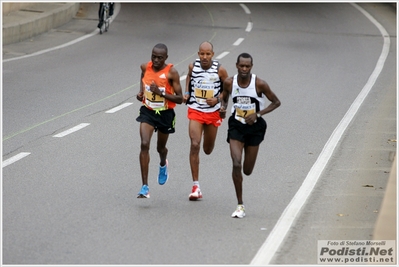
x=146 y=132
x=251 y=153
x=111 y=8
x=210 y=132
x=100 y=11
x=161 y=147
x=195 y=132
x=236 y=148
x=100 y=16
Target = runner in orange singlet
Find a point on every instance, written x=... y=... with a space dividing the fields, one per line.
x=160 y=91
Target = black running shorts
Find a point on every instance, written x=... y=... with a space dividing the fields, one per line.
x=164 y=121
x=250 y=135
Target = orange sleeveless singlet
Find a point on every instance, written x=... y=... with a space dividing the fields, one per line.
x=153 y=101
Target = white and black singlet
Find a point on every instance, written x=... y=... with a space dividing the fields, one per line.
x=245 y=100
x=204 y=84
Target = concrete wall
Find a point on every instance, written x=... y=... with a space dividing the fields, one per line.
x=36 y=19
x=15 y=6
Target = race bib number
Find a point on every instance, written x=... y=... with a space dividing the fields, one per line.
x=244 y=110
x=152 y=100
x=203 y=91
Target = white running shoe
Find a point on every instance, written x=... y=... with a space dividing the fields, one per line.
x=239 y=212
x=195 y=193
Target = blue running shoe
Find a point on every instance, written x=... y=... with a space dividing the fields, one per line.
x=163 y=174
x=144 y=192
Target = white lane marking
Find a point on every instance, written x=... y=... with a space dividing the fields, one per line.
x=238 y=42
x=116 y=11
x=115 y=109
x=283 y=225
x=222 y=55
x=249 y=27
x=246 y=9
x=183 y=77
x=53 y=48
x=72 y=130
x=15 y=158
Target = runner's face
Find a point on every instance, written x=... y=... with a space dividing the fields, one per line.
x=158 y=57
x=244 y=67
x=205 y=54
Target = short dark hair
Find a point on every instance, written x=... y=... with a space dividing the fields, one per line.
x=244 y=55
x=162 y=46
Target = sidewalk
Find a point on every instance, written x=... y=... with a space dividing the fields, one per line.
x=36 y=19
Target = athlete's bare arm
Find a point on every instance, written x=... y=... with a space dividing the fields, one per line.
x=263 y=87
x=227 y=84
x=140 y=94
x=174 y=80
x=188 y=79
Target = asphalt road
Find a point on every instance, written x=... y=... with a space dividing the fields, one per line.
x=72 y=199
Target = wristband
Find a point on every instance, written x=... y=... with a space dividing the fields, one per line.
x=187 y=93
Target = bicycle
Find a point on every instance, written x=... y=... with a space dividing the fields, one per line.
x=104 y=17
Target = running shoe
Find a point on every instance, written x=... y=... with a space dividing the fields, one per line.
x=163 y=174
x=195 y=193
x=144 y=192
x=239 y=212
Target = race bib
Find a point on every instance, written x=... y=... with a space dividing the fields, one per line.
x=244 y=110
x=203 y=91
x=152 y=100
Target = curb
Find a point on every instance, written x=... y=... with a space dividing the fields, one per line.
x=19 y=27
x=385 y=227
